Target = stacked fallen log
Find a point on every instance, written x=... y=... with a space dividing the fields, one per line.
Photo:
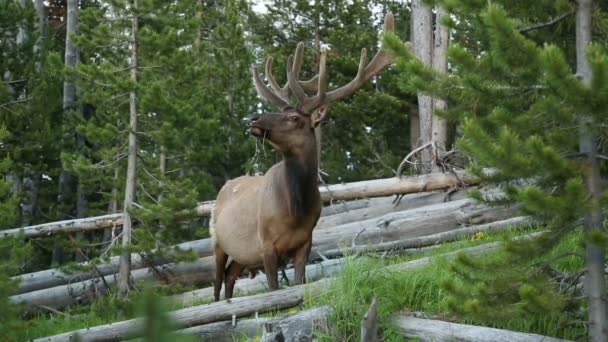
x=394 y=226
x=242 y=306
x=347 y=191
x=333 y=216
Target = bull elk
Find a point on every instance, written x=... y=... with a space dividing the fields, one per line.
x=263 y=221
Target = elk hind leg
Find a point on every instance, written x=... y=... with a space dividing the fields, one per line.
x=233 y=272
x=220 y=266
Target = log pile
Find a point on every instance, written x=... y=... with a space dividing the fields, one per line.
x=362 y=217
x=242 y=306
x=330 y=193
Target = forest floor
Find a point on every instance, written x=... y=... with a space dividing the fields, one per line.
x=349 y=296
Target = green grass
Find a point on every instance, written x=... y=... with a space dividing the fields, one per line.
x=420 y=291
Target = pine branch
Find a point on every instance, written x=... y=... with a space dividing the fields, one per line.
x=548 y=23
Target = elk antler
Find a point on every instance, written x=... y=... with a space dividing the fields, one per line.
x=304 y=91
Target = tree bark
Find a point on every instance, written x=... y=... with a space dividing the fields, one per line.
x=439 y=331
x=125 y=257
x=440 y=64
x=422 y=38
x=595 y=282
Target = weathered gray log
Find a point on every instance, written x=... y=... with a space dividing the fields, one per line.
x=299 y=327
x=251 y=328
x=411 y=223
x=347 y=191
x=245 y=306
x=55 y=277
x=67 y=226
x=394 y=186
x=429 y=240
x=191 y=273
x=201 y=314
x=382 y=205
x=224 y=331
x=439 y=331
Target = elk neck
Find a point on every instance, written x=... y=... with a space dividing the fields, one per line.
x=301 y=174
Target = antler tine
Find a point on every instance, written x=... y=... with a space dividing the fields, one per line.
x=297 y=61
x=266 y=93
x=294 y=84
x=319 y=99
x=283 y=92
x=311 y=86
x=366 y=72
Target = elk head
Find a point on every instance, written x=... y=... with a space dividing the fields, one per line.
x=294 y=126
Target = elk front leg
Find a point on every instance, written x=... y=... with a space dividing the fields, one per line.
x=271 y=266
x=299 y=262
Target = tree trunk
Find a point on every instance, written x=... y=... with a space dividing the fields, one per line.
x=439 y=331
x=109 y=233
x=422 y=38
x=595 y=282
x=440 y=64
x=125 y=257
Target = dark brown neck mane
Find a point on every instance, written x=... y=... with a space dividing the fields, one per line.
x=301 y=174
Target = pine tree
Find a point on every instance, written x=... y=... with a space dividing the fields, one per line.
x=513 y=88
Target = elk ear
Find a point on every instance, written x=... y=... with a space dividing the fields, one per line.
x=319 y=115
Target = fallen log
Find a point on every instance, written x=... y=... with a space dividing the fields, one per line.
x=434 y=239
x=406 y=224
x=383 y=205
x=439 y=331
x=56 y=277
x=436 y=218
x=298 y=327
x=225 y=331
x=201 y=314
x=245 y=306
x=347 y=191
x=302 y=321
